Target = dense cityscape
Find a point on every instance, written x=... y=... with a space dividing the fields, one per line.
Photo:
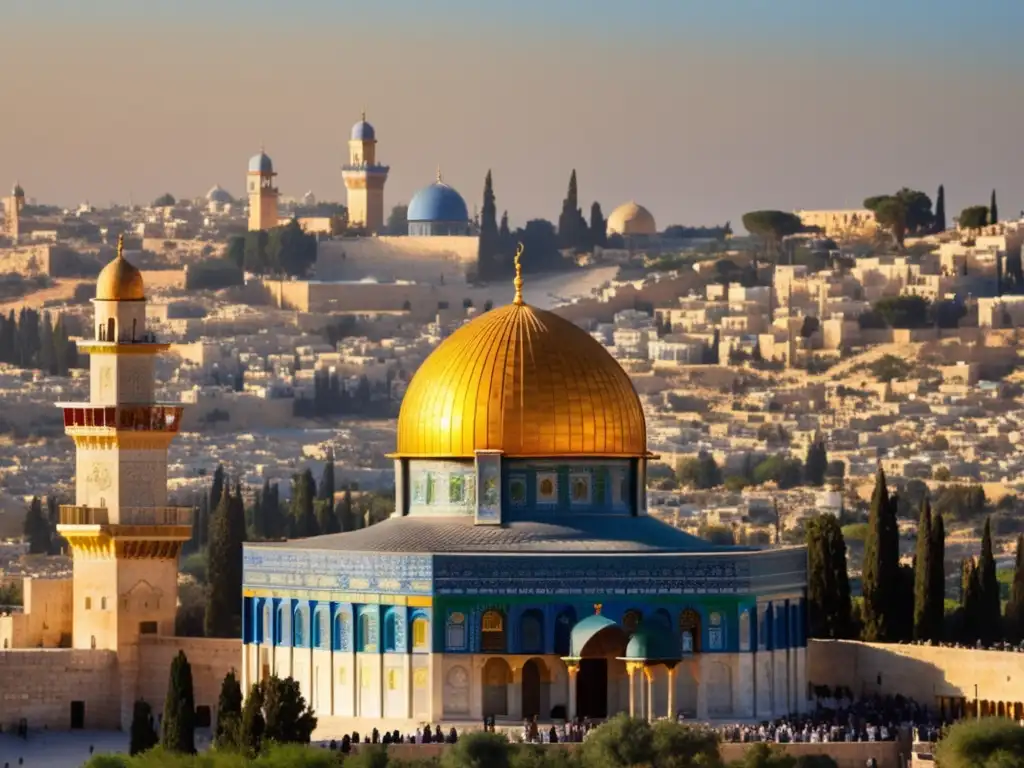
x=302 y=480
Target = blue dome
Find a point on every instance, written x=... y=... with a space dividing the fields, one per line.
x=438 y=202
x=363 y=131
x=260 y=164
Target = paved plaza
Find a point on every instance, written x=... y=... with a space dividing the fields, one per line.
x=66 y=749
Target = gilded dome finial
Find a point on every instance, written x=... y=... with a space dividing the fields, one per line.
x=439 y=179
x=120 y=246
x=518 y=282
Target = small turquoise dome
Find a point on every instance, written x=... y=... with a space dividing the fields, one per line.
x=651 y=645
x=438 y=202
x=363 y=131
x=260 y=164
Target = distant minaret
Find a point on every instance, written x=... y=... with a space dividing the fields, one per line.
x=124 y=539
x=364 y=179
x=12 y=212
x=262 y=193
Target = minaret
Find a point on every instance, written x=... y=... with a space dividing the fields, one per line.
x=124 y=539
x=12 y=212
x=262 y=193
x=364 y=179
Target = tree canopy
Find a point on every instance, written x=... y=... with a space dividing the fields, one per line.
x=772 y=226
x=286 y=250
x=906 y=211
x=973 y=217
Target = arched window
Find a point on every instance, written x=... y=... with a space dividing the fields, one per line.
x=662 y=618
x=631 y=620
x=265 y=636
x=322 y=629
x=281 y=625
x=689 y=629
x=342 y=640
x=564 y=623
x=744 y=630
x=367 y=632
x=531 y=632
x=391 y=631
x=716 y=631
x=134 y=328
x=420 y=634
x=492 y=632
x=455 y=637
x=300 y=636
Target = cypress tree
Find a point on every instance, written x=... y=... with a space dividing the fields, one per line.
x=828 y=586
x=47 y=351
x=940 y=210
x=937 y=580
x=993 y=210
x=253 y=722
x=37 y=528
x=260 y=521
x=143 y=735
x=598 y=226
x=303 y=513
x=881 y=566
x=490 y=243
x=569 y=235
x=326 y=489
x=970 y=601
x=989 y=605
x=229 y=713
x=923 y=575
x=1015 y=606
x=326 y=520
x=178 y=725
x=224 y=568
x=816 y=462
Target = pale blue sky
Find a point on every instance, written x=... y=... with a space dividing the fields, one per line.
x=699 y=110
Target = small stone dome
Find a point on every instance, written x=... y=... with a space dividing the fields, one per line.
x=438 y=202
x=219 y=195
x=260 y=163
x=363 y=131
x=120 y=280
x=18 y=191
x=631 y=219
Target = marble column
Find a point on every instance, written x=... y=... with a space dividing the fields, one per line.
x=573 y=669
x=671 y=691
x=631 y=668
x=515 y=693
x=649 y=675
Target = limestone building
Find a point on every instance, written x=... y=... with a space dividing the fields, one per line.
x=263 y=193
x=13 y=206
x=364 y=179
x=520 y=574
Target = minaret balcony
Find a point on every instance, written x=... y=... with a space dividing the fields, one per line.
x=103 y=516
x=85 y=418
x=370 y=168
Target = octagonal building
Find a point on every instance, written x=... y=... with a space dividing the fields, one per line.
x=520 y=574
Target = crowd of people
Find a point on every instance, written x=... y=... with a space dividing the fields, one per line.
x=840 y=717
x=1002 y=645
x=423 y=735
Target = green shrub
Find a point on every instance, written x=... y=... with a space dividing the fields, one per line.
x=622 y=742
x=987 y=743
x=478 y=750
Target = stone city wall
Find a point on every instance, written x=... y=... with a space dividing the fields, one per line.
x=920 y=672
x=211 y=660
x=44 y=685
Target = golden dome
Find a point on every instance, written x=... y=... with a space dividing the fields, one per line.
x=522 y=381
x=120 y=280
x=631 y=219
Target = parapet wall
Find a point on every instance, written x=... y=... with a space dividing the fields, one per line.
x=918 y=671
x=211 y=660
x=43 y=686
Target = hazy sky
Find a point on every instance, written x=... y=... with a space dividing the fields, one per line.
x=698 y=110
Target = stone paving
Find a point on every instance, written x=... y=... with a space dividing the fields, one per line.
x=66 y=749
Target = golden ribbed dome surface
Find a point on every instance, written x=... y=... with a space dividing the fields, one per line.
x=525 y=382
x=120 y=280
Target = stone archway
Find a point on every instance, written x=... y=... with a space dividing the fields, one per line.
x=598 y=643
x=535 y=689
x=497 y=675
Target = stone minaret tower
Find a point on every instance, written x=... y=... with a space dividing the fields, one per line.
x=124 y=539
x=12 y=212
x=364 y=179
x=262 y=193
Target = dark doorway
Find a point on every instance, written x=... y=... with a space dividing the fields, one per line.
x=202 y=716
x=531 y=689
x=77 y=715
x=592 y=688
